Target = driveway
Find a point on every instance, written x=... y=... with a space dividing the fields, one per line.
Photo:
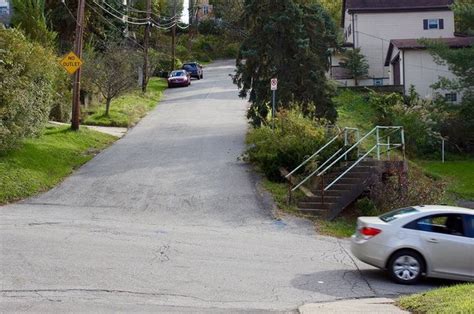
x=169 y=219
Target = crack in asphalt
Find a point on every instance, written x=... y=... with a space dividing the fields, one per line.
x=358 y=269
x=115 y=291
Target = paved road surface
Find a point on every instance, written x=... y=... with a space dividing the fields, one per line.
x=168 y=219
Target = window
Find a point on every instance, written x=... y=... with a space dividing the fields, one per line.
x=395 y=214
x=451 y=224
x=349 y=30
x=470 y=224
x=451 y=97
x=378 y=81
x=433 y=24
x=205 y=9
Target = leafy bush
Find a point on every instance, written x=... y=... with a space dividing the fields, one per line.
x=294 y=138
x=27 y=75
x=366 y=207
x=416 y=189
x=420 y=119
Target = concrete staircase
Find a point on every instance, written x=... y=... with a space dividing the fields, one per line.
x=330 y=203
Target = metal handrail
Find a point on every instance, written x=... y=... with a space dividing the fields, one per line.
x=316 y=171
x=321 y=149
x=347 y=151
x=350 y=168
x=376 y=146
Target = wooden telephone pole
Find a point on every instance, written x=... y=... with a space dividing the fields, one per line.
x=173 y=38
x=145 y=46
x=76 y=94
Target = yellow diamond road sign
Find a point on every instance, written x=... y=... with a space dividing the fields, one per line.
x=71 y=62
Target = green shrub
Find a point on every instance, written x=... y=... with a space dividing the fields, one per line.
x=420 y=119
x=294 y=138
x=27 y=75
x=366 y=207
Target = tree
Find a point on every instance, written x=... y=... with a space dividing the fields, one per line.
x=111 y=72
x=29 y=16
x=289 y=41
x=461 y=63
x=356 y=63
x=464 y=14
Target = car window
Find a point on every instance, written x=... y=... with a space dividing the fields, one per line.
x=395 y=214
x=189 y=66
x=470 y=225
x=445 y=223
x=177 y=73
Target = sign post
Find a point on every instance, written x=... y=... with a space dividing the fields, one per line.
x=274 y=87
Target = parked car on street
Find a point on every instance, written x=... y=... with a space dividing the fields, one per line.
x=179 y=78
x=195 y=69
x=431 y=241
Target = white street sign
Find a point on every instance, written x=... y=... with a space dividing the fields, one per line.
x=274 y=84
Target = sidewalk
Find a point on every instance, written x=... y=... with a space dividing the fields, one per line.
x=118 y=132
x=372 y=305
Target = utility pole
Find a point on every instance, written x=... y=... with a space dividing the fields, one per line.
x=173 y=38
x=145 y=46
x=76 y=88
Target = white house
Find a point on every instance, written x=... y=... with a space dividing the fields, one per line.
x=371 y=24
x=412 y=65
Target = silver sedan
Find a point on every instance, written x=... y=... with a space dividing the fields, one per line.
x=434 y=241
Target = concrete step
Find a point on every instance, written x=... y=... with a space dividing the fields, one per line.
x=314 y=212
x=327 y=198
x=315 y=205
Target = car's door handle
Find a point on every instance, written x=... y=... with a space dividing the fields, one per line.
x=431 y=240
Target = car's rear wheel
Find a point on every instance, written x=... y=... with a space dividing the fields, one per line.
x=406 y=267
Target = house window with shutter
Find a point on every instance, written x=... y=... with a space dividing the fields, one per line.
x=433 y=24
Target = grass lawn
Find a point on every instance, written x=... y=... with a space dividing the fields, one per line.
x=459 y=174
x=354 y=111
x=40 y=163
x=127 y=110
x=455 y=299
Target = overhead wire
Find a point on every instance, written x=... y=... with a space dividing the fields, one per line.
x=113 y=25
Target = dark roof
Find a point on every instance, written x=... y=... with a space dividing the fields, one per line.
x=395 y=5
x=373 y=6
x=412 y=44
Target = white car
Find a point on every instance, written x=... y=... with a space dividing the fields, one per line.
x=435 y=241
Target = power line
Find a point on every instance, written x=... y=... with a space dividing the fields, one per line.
x=112 y=24
x=119 y=18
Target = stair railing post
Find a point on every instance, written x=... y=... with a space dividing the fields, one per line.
x=378 y=142
x=290 y=193
x=402 y=135
x=322 y=189
x=345 y=141
x=388 y=149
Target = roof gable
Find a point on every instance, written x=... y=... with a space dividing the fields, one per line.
x=416 y=44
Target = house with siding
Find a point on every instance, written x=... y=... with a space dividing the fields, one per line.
x=371 y=25
x=410 y=64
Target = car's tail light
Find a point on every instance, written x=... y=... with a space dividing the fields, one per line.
x=369 y=232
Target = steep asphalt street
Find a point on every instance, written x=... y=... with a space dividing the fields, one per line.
x=169 y=219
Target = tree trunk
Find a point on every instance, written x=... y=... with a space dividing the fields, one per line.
x=356 y=81
x=107 y=106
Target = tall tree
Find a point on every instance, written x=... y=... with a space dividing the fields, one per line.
x=356 y=63
x=29 y=16
x=290 y=41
